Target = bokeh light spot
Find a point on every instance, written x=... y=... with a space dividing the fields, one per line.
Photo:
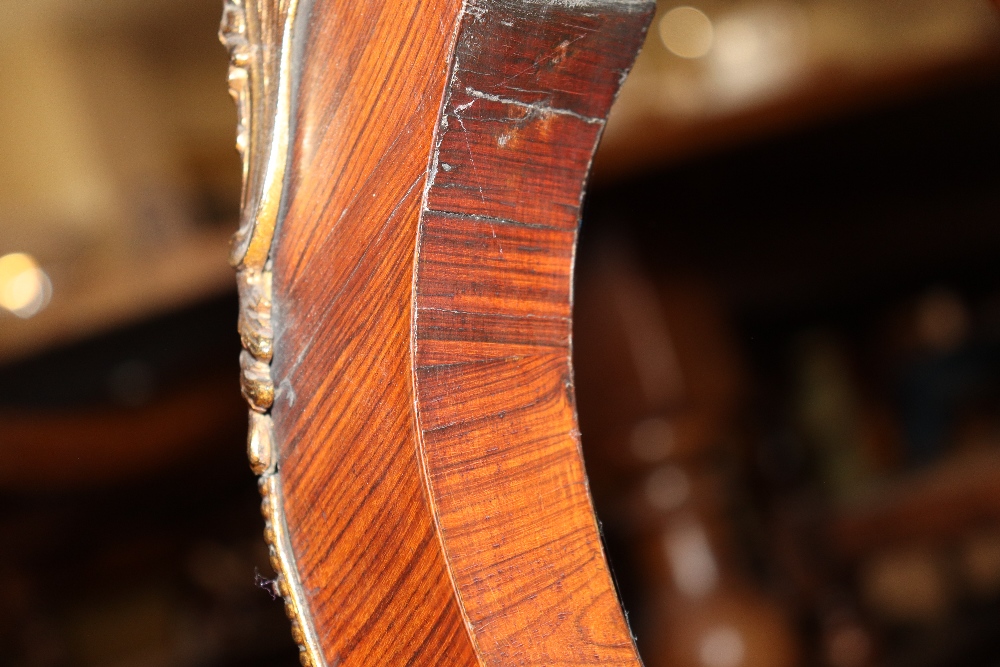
x=24 y=288
x=722 y=646
x=686 y=32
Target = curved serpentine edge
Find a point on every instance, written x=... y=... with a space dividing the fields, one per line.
x=260 y=82
x=463 y=266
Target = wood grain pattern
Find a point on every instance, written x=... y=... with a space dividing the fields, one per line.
x=433 y=488
x=364 y=541
x=496 y=408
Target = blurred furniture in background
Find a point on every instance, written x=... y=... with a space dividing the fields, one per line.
x=659 y=385
x=840 y=274
x=718 y=73
x=118 y=176
x=118 y=194
x=132 y=529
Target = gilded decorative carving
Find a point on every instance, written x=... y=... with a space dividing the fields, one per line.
x=255 y=318
x=279 y=548
x=258 y=34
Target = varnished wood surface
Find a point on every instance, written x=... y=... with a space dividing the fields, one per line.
x=492 y=352
x=434 y=491
x=363 y=537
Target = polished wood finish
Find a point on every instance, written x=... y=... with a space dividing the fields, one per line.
x=433 y=488
x=364 y=540
x=494 y=390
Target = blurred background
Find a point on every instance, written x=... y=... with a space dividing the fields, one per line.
x=787 y=339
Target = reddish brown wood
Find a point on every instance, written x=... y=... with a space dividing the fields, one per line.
x=433 y=485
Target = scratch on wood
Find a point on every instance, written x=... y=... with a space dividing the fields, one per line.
x=534 y=107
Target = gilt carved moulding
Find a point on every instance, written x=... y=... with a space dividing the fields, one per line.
x=259 y=36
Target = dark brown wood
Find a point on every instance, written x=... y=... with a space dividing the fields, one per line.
x=434 y=490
